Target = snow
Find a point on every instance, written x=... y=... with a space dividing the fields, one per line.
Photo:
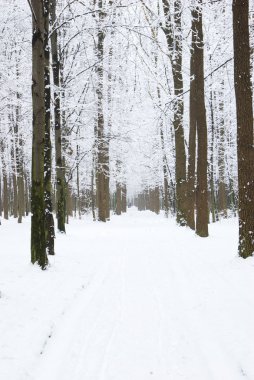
x=137 y=298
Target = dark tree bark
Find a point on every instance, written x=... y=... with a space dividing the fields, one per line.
x=5 y=196
x=49 y=220
x=200 y=110
x=244 y=111
x=118 y=198
x=38 y=239
x=60 y=174
x=173 y=33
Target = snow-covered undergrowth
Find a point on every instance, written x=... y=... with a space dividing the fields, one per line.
x=137 y=298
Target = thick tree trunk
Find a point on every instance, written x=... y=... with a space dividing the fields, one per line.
x=38 y=241
x=49 y=220
x=174 y=42
x=202 y=191
x=244 y=111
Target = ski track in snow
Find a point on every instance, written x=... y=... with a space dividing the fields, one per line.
x=148 y=300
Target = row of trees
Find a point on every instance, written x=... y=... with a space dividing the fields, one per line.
x=117 y=88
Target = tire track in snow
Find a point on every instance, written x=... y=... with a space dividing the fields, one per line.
x=116 y=326
x=97 y=365
x=199 y=318
x=176 y=330
x=64 y=333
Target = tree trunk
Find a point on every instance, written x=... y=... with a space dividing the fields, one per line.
x=192 y=137
x=124 y=198
x=102 y=165
x=118 y=199
x=38 y=241
x=14 y=179
x=244 y=111
x=5 y=196
x=202 y=192
x=174 y=42
x=214 y=210
x=19 y=157
x=157 y=200
x=78 y=205
x=49 y=220
x=60 y=175
x=27 y=194
x=222 y=196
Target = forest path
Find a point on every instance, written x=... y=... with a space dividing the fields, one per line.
x=137 y=298
x=158 y=307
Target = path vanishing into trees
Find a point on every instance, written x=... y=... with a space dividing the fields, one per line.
x=137 y=298
x=158 y=307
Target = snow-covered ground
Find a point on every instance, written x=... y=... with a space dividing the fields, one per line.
x=137 y=298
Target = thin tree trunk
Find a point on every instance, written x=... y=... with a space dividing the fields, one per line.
x=93 y=196
x=211 y=162
x=19 y=157
x=78 y=206
x=222 y=196
x=192 y=137
x=118 y=199
x=5 y=196
x=27 y=194
x=60 y=175
x=14 y=179
x=124 y=198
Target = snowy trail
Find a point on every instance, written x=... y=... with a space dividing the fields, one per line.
x=156 y=303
